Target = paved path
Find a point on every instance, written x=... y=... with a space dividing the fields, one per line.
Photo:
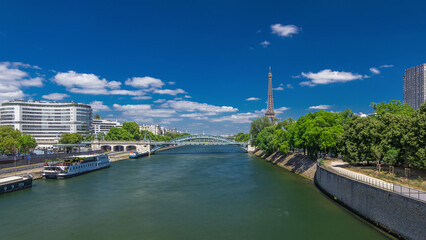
x=339 y=166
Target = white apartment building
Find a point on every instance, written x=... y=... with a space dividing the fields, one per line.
x=46 y=121
x=414 y=89
x=158 y=130
x=103 y=125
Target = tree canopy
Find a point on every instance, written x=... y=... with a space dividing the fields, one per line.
x=13 y=141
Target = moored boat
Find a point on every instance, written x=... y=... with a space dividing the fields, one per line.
x=75 y=165
x=138 y=154
x=13 y=183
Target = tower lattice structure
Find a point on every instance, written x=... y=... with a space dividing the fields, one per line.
x=270 y=110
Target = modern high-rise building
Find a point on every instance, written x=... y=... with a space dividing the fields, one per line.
x=103 y=125
x=414 y=90
x=46 y=121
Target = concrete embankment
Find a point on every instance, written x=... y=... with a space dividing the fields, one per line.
x=394 y=212
x=295 y=162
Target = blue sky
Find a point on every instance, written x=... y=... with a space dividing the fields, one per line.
x=193 y=64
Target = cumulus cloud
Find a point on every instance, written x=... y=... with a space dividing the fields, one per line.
x=327 y=76
x=142 y=97
x=126 y=92
x=55 y=96
x=168 y=121
x=171 y=83
x=169 y=91
x=98 y=106
x=12 y=79
x=289 y=85
x=159 y=100
x=189 y=106
x=320 y=107
x=386 y=66
x=144 y=82
x=280 y=110
x=246 y=117
x=284 y=30
x=252 y=99
x=143 y=110
x=374 y=70
x=85 y=83
x=265 y=44
x=278 y=88
x=187 y=96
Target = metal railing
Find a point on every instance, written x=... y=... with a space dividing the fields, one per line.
x=402 y=190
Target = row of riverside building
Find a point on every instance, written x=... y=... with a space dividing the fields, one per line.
x=47 y=121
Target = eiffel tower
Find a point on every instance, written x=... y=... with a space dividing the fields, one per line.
x=270 y=110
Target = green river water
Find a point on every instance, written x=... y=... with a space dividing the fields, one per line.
x=184 y=193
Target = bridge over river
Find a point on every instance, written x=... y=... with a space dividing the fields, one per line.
x=153 y=146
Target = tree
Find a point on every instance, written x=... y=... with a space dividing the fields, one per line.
x=393 y=107
x=97 y=116
x=281 y=141
x=242 y=137
x=265 y=140
x=133 y=129
x=100 y=136
x=391 y=156
x=118 y=134
x=71 y=138
x=26 y=142
x=257 y=126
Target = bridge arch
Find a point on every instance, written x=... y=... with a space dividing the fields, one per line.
x=106 y=148
x=118 y=148
x=200 y=140
x=131 y=148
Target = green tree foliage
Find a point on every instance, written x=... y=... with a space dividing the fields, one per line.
x=96 y=116
x=100 y=136
x=242 y=137
x=11 y=141
x=133 y=129
x=26 y=143
x=393 y=107
x=257 y=126
x=71 y=138
x=118 y=134
x=265 y=140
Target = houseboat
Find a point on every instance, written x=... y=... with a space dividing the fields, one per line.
x=75 y=165
x=13 y=183
x=138 y=154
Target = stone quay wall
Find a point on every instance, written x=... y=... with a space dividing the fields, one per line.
x=398 y=214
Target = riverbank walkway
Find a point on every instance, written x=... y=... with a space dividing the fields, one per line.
x=341 y=168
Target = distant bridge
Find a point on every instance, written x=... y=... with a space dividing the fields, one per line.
x=153 y=146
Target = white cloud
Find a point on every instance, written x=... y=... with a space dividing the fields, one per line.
x=126 y=92
x=265 y=44
x=187 y=96
x=374 y=70
x=99 y=106
x=252 y=99
x=320 y=107
x=327 y=76
x=284 y=30
x=278 y=88
x=237 y=118
x=289 y=85
x=168 y=121
x=171 y=83
x=144 y=82
x=386 y=66
x=279 y=110
x=143 y=110
x=189 y=106
x=114 y=84
x=12 y=79
x=159 y=100
x=169 y=91
x=85 y=83
x=142 y=98
x=55 y=96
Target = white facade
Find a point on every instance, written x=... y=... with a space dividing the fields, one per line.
x=414 y=90
x=158 y=130
x=46 y=121
x=103 y=125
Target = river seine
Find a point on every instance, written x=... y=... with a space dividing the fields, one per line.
x=185 y=193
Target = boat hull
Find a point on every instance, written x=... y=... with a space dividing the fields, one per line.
x=18 y=185
x=65 y=175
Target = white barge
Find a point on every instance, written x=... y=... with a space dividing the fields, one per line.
x=13 y=183
x=75 y=165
